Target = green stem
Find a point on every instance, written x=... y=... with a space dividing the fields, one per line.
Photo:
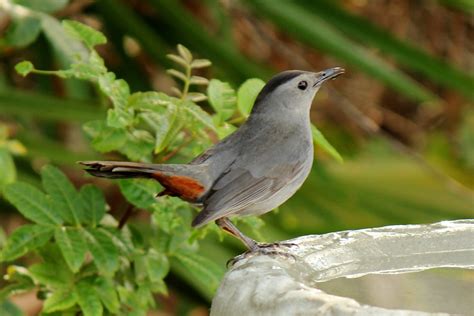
x=186 y=83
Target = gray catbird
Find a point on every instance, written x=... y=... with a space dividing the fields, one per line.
x=253 y=170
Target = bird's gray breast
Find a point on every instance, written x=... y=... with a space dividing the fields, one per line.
x=269 y=162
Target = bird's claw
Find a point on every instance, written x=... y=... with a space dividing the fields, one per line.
x=267 y=249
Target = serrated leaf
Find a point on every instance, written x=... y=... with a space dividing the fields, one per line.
x=105 y=138
x=102 y=249
x=322 y=142
x=64 y=196
x=200 y=63
x=69 y=48
x=202 y=273
x=59 y=300
x=84 y=33
x=157 y=265
x=247 y=94
x=24 y=68
x=7 y=168
x=198 y=80
x=24 y=239
x=94 y=204
x=195 y=115
x=177 y=74
x=52 y=274
x=87 y=298
x=185 y=53
x=23 y=31
x=162 y=123
x=72 y=246
x=222 y=99
x=85 y=71
x=138 y=146
x=118 y=91
x=105 y=289
x=178 y=59
x=150 y=100
x=32 y=203
x=140 y=192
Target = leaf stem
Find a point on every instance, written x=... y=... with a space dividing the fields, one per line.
x=186 y=83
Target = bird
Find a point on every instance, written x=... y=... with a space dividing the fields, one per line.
x=253 y=170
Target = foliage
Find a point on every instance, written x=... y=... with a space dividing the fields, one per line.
x=376 y=186
x=98 y=266
x=8 y=147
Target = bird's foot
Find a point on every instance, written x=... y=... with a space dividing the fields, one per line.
x=267 y=249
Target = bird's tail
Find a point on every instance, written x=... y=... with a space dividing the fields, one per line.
x=189 y=182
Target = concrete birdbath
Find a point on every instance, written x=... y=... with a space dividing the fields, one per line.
x=393 y=270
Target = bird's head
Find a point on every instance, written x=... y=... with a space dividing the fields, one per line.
x=293 y=89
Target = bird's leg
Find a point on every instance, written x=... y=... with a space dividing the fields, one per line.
x=225 y=224
x=252 y=246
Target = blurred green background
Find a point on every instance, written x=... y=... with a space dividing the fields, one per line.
x=402 y=116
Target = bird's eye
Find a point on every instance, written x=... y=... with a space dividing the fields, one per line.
x=302 y=85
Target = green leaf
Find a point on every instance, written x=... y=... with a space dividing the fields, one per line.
x=32 y=203
x=150 y=100
x=139 y=146
x=88 y=299
x=53 y=274
x=203 y=273
x=72 y=245
x=247 y=94
x=200 y=63
x=23 y=31
x=196 y=116
x=185 y=53
x=118 y=91
x=47 y=6
x=222 y=99
x=105 y=289
x=59 y=300
x=196 y=97
x=67 y=47
x=24 y=239
x=140 y=192
x=105 y=138
x=7 y=168
x=177 y=74
x=103 y=250
x=177 y=59
x=161 y=121
x=94 y=204
x=157 y=265
x=84 y=33
x=24 y=67
x=63 y=194
x=198 y=80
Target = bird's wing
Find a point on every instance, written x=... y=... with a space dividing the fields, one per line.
x=237 y=189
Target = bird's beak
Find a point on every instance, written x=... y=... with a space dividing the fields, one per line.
x=327 y=74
